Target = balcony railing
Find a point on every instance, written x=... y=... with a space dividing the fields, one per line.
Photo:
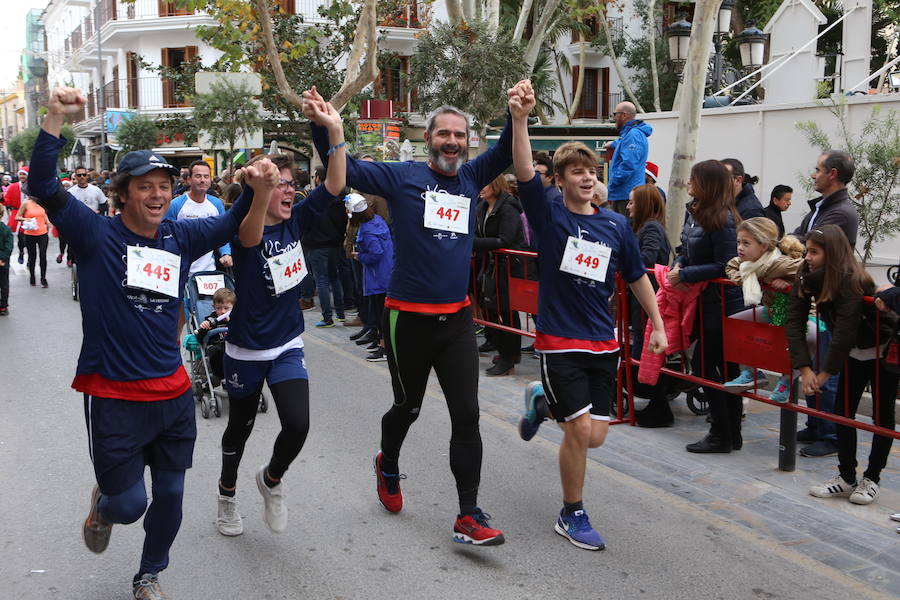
x=145 y=93
x=411 y=15
x=116 y=10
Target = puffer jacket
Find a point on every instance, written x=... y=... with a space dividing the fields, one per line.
x=376 y=253
x=703 y=257
x=784 y=267
x=626 y=169
x=850 y=320
x=747 y=204
x=677 y=309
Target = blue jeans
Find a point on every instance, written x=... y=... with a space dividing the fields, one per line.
x=324 y=263
x=820 y=428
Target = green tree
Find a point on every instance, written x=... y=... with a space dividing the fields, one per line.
x=226 y=114
x=467 y=65
x=137 y=133
x=875 y=187
x=22 y=144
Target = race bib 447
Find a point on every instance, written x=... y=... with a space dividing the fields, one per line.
x=447 y=212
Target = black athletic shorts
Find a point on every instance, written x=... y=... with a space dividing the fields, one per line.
x=124 y=436
x=578 y=382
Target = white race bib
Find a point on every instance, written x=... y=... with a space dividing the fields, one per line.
x=30 y=224
x=208 y=284
x=446 y=212
x=586 y=259
x=154 y=270
x=288 y=269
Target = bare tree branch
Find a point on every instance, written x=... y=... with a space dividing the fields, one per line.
x=366 y=38
x=265 y=22
x=601 y=6
x=537 y=38
x=654 y=72
x=523 y=19
x=455 y=11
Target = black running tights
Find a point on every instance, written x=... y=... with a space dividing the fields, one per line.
x=292 y=402
x=415 y=344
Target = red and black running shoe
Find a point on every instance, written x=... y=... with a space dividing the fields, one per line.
x=389 y=493
x=473 y=529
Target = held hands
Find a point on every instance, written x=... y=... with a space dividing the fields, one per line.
x=808 y=381
x=320 y=112
x=226 y=261
x=262 y=176
x=521 y=99
x=65 y=101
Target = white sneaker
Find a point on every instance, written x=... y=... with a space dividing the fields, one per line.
x=275 y=512
x=895 y=517
x=229 y=521
x=865 y=493
x=835 y=487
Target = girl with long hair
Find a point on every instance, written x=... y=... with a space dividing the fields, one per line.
x=833 y=279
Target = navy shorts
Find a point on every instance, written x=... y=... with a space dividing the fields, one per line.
x=124 y=436
x=245 y=377
x=579 y=382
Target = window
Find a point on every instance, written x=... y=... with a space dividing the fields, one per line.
x=587 y=108
x=171 y=9
x=392 y=83
x=593 y=26
x=287 y=6
x=132 y=67
x=175 y=57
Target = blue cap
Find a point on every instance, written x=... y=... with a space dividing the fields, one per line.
x=140 y=162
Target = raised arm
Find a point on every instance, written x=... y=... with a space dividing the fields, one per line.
x=521 y=101
x=261 y=177
x=323 y=114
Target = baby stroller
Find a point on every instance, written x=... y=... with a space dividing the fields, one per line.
x=206 y=385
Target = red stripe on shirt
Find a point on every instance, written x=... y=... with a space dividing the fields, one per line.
x=140 y=390
x=544 y=342
x=428 y=309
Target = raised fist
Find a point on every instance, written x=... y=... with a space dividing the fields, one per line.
x=521 y=99
x=65 y=101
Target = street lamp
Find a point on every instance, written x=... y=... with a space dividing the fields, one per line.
x=678 y=35
x=752 y=44
x=723 y=24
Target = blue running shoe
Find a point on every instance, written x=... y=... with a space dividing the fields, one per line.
x=324 y=323
x=782 y=391
x=577 y=529
x=744 y=381
x=535 y=410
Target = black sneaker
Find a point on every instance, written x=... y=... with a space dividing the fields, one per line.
x=378 y=356
x=359 y=334
x=806 y=435
x=819 y=449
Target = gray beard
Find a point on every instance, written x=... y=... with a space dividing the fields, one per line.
x=448 y=166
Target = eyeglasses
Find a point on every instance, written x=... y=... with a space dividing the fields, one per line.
x=286 y=183
x=81 y=174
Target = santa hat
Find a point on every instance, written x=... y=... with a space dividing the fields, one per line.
x=652 y=169
x=22 y=170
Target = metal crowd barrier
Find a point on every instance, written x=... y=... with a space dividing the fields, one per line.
x=756 y=344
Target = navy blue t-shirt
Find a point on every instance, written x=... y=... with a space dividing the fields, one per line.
x=262 y=319
x=430 y=266
x=130 y=334
x=570 y=306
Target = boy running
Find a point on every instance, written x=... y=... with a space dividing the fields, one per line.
x=582 y=249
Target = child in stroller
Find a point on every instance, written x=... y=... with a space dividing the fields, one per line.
x=223 y=302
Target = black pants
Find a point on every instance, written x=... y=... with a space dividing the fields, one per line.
x=725 y=409
x=292 y=401
x=374 y=311
x=852 y=383
x=508 y=344
x=37 y=246
x=415 y=345
x=63 y=246
x=369 y=320
x=4 y=286
x=21 y=238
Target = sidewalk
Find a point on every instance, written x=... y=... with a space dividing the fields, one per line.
x=744 y=487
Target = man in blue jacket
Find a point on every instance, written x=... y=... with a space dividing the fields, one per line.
x=626 y=169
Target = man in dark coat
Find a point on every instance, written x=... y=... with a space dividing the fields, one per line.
x=745 y=200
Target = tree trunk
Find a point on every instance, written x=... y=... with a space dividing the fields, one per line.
x=705 y=14
x=654 y=72
x=601 y=7
x=455 y=11
x=562 y=86
x=468 y=9
x=523 y=20
x=579 y=85
x=537 y=35
x=492 y=15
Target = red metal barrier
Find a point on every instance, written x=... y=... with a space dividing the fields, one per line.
x=752 y=343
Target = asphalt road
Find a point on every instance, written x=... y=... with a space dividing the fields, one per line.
x=340 y=543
